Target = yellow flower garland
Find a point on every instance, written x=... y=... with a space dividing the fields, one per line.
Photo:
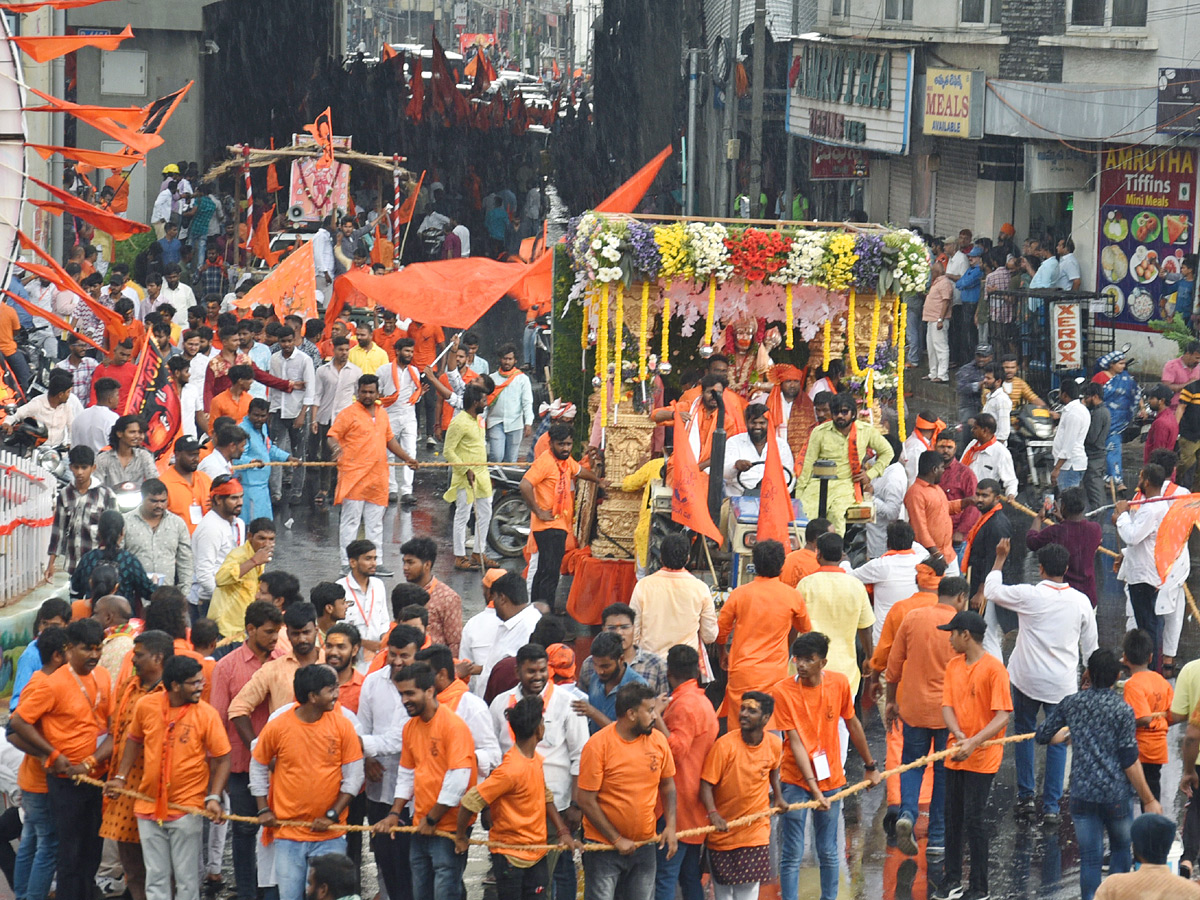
x=619 y=343
x=643 y=336
x=666 y=321
x=787 y=314
x=874 y=348
x=850 y=343
x=712 y=311
x=588 y=297
x=827 y=346
x=602 y=355
x=901 y=328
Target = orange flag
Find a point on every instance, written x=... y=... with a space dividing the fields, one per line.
x=416 y=89
x=626 y=198
x=43 y=48
x=689 y=500
x=34 y=5
x=774 y=499
x=273 y=186
x=291 y=288
x=388 y=52
x=119 y=124
x=406 y=211
x=121 y=229
x=322 y=131
x=260 y=240
x=1173 y=533
x=96 y=159
x=34 y=310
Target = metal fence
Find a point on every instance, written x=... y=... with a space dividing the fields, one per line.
x=1026 y=324
x=26 y=514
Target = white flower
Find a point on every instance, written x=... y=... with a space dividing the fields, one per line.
x=597 y=244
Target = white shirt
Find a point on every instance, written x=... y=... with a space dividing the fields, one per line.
x=323 y=257
x=127 y=292
x=382 y=716
x=191 y=399
x=369 y=611
x=740 y=447
x=162 y=207
x=92 y=427
x=1073 y=427
x=478 y=636
x=910 y=454
x=1138 y=528
x=560 y=747
x=212 y=541
x=889 y=490
x=335 y=390
x=511 y=636
x=297 y=367
x=994 y=462
x=894 y=575
x=464 y=236
x=1056 y=623
x=958 y=265
x=475 y=713
x=58 y=420
x=182 y=298
x=1068 y=271
x=215 y=465
x=999 y=404
x=402 y=408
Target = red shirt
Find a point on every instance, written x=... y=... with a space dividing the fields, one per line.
x=1163 y=433
x=121 y=374
x=231 y=674
x=692 y=721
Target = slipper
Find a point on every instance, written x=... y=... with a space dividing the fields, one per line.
x=464 y=564
x=320 y=498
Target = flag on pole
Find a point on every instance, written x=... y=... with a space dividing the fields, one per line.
x=774 y=499
x=322 y=131
x=43 y=48
x=153 y=398
x=689 y=499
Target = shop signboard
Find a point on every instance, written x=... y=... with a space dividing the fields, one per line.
x=1052 y=168
x=483 y=40
x=1066 y=335
x=837 y=163
x=954 y=103
x=1146 y=226
x=851 y=95
x=1178 y=101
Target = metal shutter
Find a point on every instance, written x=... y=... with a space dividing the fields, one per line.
x=954 y=196
x=899 y=171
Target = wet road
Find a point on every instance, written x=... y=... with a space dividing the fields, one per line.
x=1027 y=862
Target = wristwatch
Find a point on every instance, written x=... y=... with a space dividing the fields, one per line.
x=331 y=814
x=870 y=767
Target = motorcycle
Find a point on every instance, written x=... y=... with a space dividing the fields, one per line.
x=1029 y=444
x=27 y=439
x=40 y=348
x=509 y=528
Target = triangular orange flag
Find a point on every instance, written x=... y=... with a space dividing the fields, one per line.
x=34 y=310
x=626 y=198
x=273 y=186
x=774 y=500
x=119 y=124
x=406 y=211
x=43 y=48
x=389 y=52
x=689 y=498
x=322 y=131
x=260 y=240
x=291 y=288
x=97 y=159
x=121 y=229
x=1173 y=533
x=35 y=5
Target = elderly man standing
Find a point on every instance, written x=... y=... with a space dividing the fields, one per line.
x=850 y=444
x=159 y=538
x=969 y=382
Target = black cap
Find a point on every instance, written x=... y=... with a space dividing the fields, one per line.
x=187 y=445
x=984 y=350
x=966 y=621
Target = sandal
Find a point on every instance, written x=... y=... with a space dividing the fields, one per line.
x=320 y=499
x=1169 y=669
x=1185 y=869
x=465 y=564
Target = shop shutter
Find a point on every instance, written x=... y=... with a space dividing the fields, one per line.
x=899 y=171
x=954 y=197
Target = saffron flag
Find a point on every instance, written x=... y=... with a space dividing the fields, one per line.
x=120 y=228
x=416 y=89
x=34 y=310
x=153 y=398
x=260 y=240
x=322 y=131
x=43 y=48
x=689 y=498
x=406 y=211
x=95 y=159
x=388 y=52
x=136 y=127
x=774 y=499
x=291 y=289
x=1173 y=533
x=626 y=198
x=114 y=324
x=129 y=116
x=34 y=5
x=481 y=72
x=446 y=97
x=273 y=186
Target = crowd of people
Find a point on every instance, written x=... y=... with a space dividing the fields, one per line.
x=191 y=670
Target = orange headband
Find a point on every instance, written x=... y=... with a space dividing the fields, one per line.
x=562 y=660
x=231 y=488
x=922 y=422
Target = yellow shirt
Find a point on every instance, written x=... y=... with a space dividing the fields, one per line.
x=465 y=444
x=826 y=442
x=643 y=478
x=234 y=592
x=368 y=360
x=838 y=607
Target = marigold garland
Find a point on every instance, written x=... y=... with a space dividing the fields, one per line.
x=712 y=311
x=618 y=343
x=602 y=355
x=787 y=314
x=827 y=348
x=855 y=369
x=901 y=328
x=643 y=336
x=666 y=333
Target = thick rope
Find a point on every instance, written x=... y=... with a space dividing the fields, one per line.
x=587 y=847
x=396 y=465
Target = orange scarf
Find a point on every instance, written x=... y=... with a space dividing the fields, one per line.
x=168 y=752
x=799 y=423
x=966 y=563
x=855 y=462
x=452 y=695
x=547 y=693
x=974 y=450
x=562 y=490
x=418 y=389
x=496 y=393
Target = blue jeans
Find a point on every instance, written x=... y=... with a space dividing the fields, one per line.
x=564 y=882
x=503 y=446
x=245 y=866
x=291 y=863
x=1069 y=478
x=608 y=875
x=437 y=871
x=1113 y=449
x=917 y=744
x=1092 y=820
x=824 y=842
x=683 y=869
x=37 y=856
x=1025 y=710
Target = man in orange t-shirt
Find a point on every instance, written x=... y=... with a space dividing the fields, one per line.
x=187 y=487
x=521 y=803
x=1147 y=692
x=359 y=439
x=318 y=771
x=918 y=658
x=62 y=723
x=803 y=562
x=548 y=488
x=34 y=868
x=976 y=703
x=760 y=615
x=741 y=774
x=437 y=767
x=185 y=755
x=234 y=402
x=692 y=727
x=808 y=709
x=623 y=770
